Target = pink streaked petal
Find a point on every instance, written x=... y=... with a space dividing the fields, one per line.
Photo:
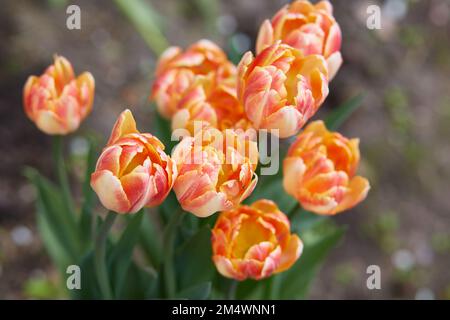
x=124 y=125
x=110 y=160
x=288 y=120
x=334 y=62
x=225 y=268
x=290 y=253
x=110 y=191
x=293 y=171
x=265 y=36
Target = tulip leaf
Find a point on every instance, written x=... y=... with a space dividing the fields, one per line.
x=89 y=284
x=197 y=292
x=140 y=283
x=145 y=20
x=193 y=260
x=317 y=243
x=151 y=239
x=51 y=240
x=120 y=256
x=302 y=220
x=86 y=218
x=162 y=129
x=343 y=112
x=51 y=206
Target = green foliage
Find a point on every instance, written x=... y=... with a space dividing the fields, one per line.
x=145 y=20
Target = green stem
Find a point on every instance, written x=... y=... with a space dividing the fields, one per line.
x=169 y=246
x=231 y=294
x=58 y=154
x=100 y=256
x=295 y=209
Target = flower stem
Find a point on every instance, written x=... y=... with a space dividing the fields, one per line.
x=100 y=256
x=169 y=244
x=231 y=294
x=58 y=154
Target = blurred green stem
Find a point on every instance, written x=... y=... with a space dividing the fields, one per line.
x=58 y=154
x=144 y=19
x=100 y=256
x=231 y=294
x=169 y=244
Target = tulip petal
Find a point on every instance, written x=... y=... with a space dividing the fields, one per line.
x=110 y=191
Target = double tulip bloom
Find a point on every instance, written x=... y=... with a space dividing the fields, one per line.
x=254 y=242
x=57 y=101
x=216 y=171
x=197 y=89
x=310 y=28
x=177 y=71
x=319 y=171
x=133 y=171
x=280 y=88
x=211 y=101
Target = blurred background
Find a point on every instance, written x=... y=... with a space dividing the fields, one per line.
x=403 y=71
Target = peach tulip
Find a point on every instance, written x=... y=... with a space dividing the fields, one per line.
x=177 y=70
x=56 y=101
x=254 y=242
x=310 y=28
x=216 y=171
x=133 y=171
x=319 y=171
x=280 y=88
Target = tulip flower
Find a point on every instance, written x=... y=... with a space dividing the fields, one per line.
x=216 y=171
x=177 y=70
x=56 y=101
x=319 y=171
x=133 y=171
x=280 y=88
x=211 y=100
x=254 y=242
x=310 y=28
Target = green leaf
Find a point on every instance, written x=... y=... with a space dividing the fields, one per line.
x=197 y=292
x=89 y=284
x=55 y=218
x=52 y=242
x=343 y=112
x=194 y=259
x=151 y=239
x=86 y=217
x=145 y=20
x=162 y=129
x=303 y=220
x=120 y=256
x=317 y=243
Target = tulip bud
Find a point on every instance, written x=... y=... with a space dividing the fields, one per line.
x=56 y=101
x=319 y=171
x=216 y=171
x=310 y=28
x=133 y=171
x=254 y=242
x=280 y=88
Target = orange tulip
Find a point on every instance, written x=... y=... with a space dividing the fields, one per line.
x=254 y=242
x=133 y=171
x=56 y=101
x=319 y=171
x=310 y=28
x=176 y=72
x=216 y=171
x=281 y=89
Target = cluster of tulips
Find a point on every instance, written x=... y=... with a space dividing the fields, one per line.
x=213 y=167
